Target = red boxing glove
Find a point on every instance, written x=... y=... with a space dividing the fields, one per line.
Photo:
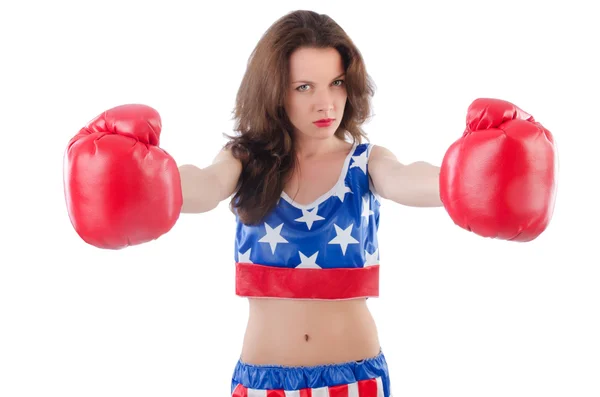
x=499 y=179
x=121 y=189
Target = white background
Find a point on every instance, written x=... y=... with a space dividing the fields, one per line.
x=458 y=315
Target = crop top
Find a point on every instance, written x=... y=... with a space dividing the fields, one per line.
x=325 y=250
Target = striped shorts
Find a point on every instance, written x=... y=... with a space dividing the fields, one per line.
x=364 y=378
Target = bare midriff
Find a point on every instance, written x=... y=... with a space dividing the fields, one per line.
x=308 y=332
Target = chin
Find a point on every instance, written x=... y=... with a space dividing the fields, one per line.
x=314 y=132
x=325 y=133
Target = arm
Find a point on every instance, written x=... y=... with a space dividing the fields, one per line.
x=204 y=188
x=414 y=185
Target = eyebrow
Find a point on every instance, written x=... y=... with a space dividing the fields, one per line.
x=311 y=82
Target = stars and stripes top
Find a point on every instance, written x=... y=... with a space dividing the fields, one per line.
x=325 y=250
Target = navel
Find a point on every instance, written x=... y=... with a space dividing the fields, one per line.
x=306 y=337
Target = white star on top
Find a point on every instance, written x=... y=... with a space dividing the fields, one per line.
x=367 y=209
x=343 y=237
x=341 y=190
x=308 y=262
x=360 y=162
x=310 y=216
x=371 y=259
x=245 y=257
x=273 y=237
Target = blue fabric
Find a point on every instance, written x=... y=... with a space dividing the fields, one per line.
x=338 y=230
x=294 y=378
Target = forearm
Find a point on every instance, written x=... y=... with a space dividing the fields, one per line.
x=204 y=188
x=200 y=190
x=415 y=185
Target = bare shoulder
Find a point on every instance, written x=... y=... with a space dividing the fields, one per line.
x=227 y=168
x=225 y=155
x=380 y=152
x=383 y=166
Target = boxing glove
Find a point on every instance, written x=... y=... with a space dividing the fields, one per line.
x=121 y=188
x=499 y=179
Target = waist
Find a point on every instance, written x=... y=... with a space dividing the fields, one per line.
x=255 y=280
x=308 y=332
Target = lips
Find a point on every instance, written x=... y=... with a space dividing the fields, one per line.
x=324 y=122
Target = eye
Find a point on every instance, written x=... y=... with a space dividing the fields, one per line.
x=299 y=88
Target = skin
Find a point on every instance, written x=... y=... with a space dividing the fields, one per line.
x=312 y=332
x=317 y=91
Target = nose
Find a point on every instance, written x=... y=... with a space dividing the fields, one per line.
x=324 y=102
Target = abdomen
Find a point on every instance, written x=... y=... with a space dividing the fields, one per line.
x=309 y=332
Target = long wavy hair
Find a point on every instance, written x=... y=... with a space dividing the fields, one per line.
x=264 y=141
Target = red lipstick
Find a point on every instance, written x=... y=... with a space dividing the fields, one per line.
x=324 y=122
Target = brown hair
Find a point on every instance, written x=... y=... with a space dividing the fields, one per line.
x=264 y=142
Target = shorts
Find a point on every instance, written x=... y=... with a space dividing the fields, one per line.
x=363 y=378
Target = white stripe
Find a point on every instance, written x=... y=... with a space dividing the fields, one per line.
x=292 y=393
x=257 y=393
x=320 y=392
x=353 y=389
x=379 y=387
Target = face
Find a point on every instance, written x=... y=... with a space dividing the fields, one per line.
x=317 y=91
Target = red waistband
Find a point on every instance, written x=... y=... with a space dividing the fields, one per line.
x=253 y=280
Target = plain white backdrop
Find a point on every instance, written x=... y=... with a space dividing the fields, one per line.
x=459 y=315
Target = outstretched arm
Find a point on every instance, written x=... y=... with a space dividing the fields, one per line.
x=414 y=185
x=204 y=188
x=497 y=180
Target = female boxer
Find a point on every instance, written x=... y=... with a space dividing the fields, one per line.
x=306 y=190
x=306 y=194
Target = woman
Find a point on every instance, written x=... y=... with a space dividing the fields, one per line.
x=307 y=210
x=306 y=195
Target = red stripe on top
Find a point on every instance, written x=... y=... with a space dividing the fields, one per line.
x=254 y=280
